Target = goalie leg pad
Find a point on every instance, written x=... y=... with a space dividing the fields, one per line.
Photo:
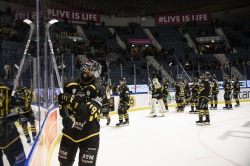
x=162 y=107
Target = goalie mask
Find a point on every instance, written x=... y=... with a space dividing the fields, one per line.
x=155 y=81
x=93 y=67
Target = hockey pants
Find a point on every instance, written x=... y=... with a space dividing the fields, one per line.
x=227 y=98
x=236 y=97
x=122 y=111
x=88 y=151
x=203 y=106
x=24 y=119
x=214 y=99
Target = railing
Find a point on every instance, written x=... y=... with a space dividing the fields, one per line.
x=225 y=38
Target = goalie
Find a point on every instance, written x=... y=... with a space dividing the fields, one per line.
x=156 y=91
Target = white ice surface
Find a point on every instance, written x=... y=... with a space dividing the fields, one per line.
x=175 y=140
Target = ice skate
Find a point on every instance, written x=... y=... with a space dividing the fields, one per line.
x=215 y=108
x=126 y=122
x=230 y=107
x=119 y=124
x=34 y=136
x=192 y=112
x=207 y=121
x=196 y=111
x=28 y=140
x=152 y=114
x=108 y=122
x=200 y=121
x=226 y=107
x=237 y=105
x=211 y=108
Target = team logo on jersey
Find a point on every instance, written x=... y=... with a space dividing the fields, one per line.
x=132 y=102
x=74 y=91
x=88 y=93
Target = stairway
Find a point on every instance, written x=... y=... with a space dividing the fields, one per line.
x=221 y=33
x=80 y=32
x=159 y=67
x=151 y=36
x=223 y=60
x=190 y=41
x=120 y=42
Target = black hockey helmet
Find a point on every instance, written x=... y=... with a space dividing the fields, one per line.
x=166 y=79
x=201 y=77
x=194 y=79
x=94 y=67
x=226 y=75
x=234 y=76
x=214 y=76
x=180 y=79
x=207 y=73
x=123 y=79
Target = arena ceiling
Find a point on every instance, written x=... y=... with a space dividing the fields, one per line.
x=133 y=8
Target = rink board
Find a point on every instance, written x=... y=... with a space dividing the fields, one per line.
x=50 y=133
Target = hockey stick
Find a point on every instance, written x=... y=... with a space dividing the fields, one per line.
x=182 y=67
x=54 y=60
x=32 y=27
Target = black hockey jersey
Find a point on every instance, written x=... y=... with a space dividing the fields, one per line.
x=205 y=89
x=89 y=103
x=5 y=100
x=227 y=86
x=215 y=88
x=157 y=91
x=8 y=132
x=124 y=94
x=165 y=89
x=22 y=100
x=179 y=90
x=236 y=86
x=194 y=89
x=186 y=89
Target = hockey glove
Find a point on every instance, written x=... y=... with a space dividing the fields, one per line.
x=67 y=122
x=66 y=98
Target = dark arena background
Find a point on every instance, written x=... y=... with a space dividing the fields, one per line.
x=44 y=44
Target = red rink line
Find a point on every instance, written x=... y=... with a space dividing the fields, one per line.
x=217 y=154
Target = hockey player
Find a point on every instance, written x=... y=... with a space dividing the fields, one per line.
x=21 y=101
x=165 y=92
x=236 y=90
x=194 y=98
x=5 y=100
x=83 y=98
x=124 y=102
x=10 y=144
x=186 y=93
x=204 y=96
x=179 y=95
x=227 y=96
x=156 y=91
x=215 y=91
x=106 y=104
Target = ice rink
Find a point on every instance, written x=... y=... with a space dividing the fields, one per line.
x=175 y=140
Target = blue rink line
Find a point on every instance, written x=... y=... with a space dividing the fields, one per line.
x=28 y=160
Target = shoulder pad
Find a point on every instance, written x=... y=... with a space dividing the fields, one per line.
x=71 y=82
